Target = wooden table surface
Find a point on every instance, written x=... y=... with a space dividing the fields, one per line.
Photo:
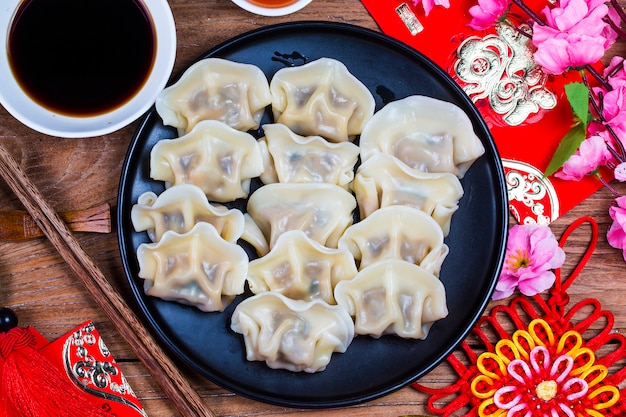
x=78 y=173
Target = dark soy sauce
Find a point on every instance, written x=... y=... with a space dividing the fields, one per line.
x=81 y=57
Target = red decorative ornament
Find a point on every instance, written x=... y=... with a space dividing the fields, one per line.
x=72 y=376
x=30 y=386
x=529 y=358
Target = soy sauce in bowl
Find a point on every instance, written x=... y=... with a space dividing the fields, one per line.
x=81 y=57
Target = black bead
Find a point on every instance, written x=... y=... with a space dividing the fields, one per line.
x=8 y=319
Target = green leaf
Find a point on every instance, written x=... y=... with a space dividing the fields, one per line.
x=570 y=142
x=578 y=97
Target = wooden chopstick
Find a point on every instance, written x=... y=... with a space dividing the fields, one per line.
x=166 y=374
x=19 y=224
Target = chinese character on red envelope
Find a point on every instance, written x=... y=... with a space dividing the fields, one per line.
x=527 y=112
x=83 y=357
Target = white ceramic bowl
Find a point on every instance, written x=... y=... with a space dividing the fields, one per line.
x=271 y=11
x=43 y=120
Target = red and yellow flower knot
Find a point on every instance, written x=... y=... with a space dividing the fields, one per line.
x=533 y=373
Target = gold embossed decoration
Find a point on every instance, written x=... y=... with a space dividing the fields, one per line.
x=499 y=68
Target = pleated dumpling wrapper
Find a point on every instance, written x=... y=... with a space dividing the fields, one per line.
x=425 y=133
x=196 y=268
x=384 y=180
x=300 y=336
x=322 y=211
x=397 y=232
x=289 y=157
x=300 y=268
x=216 y=89
x=179 y=208
x=321 y=98
x=213 y=156
x=393 y=297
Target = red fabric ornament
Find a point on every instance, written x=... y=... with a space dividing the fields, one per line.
x=537 y=356
x=30 y=386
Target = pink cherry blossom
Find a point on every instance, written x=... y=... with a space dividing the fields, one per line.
x=532 y=253
x=574 y=35
x=620 y=172
x=591 y=154
x=487 y=12
x=428 y=5
x=616 y=235
x=614 y=104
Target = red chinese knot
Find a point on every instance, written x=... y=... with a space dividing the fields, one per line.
x=543 y=361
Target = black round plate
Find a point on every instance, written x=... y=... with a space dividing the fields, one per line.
x=371 y=367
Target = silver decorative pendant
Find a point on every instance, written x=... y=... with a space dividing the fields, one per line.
x=500 y=68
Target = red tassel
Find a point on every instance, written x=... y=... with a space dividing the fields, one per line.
x=33 y=387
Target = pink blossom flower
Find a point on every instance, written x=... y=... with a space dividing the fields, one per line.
x=532 y=253
x=614 y=106
x=615 y=72
x=616 y=234
x=574 y=35
x=620 y=172
x=591 y=154
x=430 y=4
x=488 y=12
x=559 y=52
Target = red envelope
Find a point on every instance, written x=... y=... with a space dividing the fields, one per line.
x=527 y=112
x=82 y=355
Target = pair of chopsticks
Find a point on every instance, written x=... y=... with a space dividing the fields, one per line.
x=174 y=385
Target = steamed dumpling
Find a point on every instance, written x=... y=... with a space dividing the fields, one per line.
x=197 y=268
x=290 y=157
x=216 y=89
x=321 y=211
x=179 y=208
x=301 y=268
x=384 y=181
x=292 y=334
x=425 y=133
x=397 y=232
x=393 y=297
x=321 y=98
x=213 y=156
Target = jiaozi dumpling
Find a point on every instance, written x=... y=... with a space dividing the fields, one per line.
x=393 y=297
x=216 y=89
x=322 y=211
x=292 y=334
x=397 y=232
x=301 y=268
x=290 y=157
x=384 y=181
x=321 y=98
x=253 y=235
x=215 y=157
x=179 y=208
x=197 y=268
x=425 y=133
